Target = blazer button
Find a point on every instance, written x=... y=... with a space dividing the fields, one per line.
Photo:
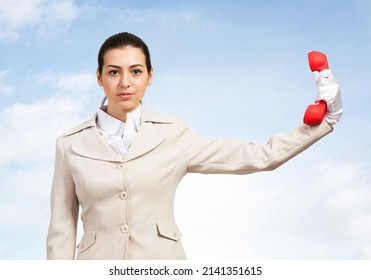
x=120 y=167
x=123 y=195
x=124 y=228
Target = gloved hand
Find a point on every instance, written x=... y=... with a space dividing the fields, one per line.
x=328 y=90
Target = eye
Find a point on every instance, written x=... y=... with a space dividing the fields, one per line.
x=113 y=72
x=136 y=72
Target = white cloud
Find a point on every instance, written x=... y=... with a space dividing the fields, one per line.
x=364 y=253
x=291 y=213
x=46 y=15
x=345 y=208
x=68 y=83
x=30 y=130
x=25 y=192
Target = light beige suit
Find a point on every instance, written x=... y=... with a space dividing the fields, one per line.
x=127 y=203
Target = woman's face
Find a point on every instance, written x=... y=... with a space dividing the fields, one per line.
x=124 y=79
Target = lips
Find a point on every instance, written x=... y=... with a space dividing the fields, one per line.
x=125 y=95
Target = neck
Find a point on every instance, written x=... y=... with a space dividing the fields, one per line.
x=119 y=113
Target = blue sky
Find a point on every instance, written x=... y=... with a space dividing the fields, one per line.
x=233 y=69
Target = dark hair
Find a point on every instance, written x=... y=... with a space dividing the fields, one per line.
x=122 y=40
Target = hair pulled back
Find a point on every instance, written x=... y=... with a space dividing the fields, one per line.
x=121 y=40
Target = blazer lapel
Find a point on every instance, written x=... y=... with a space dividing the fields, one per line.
x=90 y=144
x=148 y=136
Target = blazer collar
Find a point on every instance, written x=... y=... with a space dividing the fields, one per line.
x=90 y=144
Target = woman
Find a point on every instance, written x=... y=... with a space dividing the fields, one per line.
x=123 y=165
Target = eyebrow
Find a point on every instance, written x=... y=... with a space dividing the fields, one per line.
x=118 y=67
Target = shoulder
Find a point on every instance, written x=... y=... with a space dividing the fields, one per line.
x=155 y=117
x=65 y=140
x=164 y=123
x=75 y=130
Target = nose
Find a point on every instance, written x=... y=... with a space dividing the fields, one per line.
x=124 y=81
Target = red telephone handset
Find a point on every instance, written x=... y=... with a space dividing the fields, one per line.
x=315 y=113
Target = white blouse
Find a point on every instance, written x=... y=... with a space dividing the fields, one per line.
x=119 y=135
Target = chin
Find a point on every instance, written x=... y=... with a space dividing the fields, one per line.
x=129 y=107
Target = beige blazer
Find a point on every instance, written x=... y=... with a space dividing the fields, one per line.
x=127 y=203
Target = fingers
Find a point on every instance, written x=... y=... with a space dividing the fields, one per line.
x=328 y=90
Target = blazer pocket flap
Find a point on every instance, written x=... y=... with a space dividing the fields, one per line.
x=168 y=230
x=87 y=240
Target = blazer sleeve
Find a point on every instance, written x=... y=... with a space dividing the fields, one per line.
x=61 y=239
x=203 y=155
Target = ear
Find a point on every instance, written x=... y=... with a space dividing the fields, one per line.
x=150 y=76
x=99 y=78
